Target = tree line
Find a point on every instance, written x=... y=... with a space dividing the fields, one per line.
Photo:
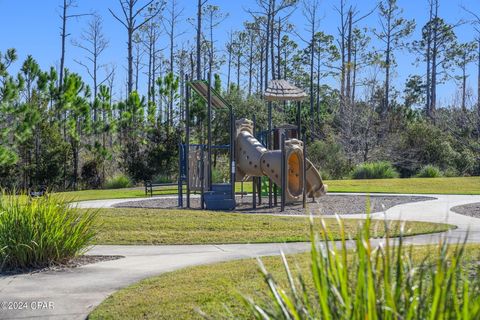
x=67 y=132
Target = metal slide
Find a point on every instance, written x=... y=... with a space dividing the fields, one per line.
x=254 y=160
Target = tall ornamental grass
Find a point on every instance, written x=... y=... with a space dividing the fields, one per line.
x=375 y=170
x=373 y=282
x=429 y=171
x=39 y=232
x=119 y=181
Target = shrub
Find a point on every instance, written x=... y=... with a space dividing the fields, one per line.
x=429 y=171
x=373 y=282
x=221 y=170
x=119 y=181
x=41 y=232
x=450 y=172
x=422 y=144
x=328 y=156
x=91 y=177
x=465 y=162
x=375 y=170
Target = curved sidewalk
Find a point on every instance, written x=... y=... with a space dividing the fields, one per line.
x=76 y=292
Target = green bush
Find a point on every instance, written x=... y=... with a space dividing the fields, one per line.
x=375 y=170
x=450 y=172
x=91 y=176
x=372 y=282
x=465 y=162
x=119 y=181
x=429 y=171
x=423 y=144
x=328 y=156
x=221 y=172
x=40 y=232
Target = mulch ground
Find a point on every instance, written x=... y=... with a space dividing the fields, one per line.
x=72 y=263
x=471 y=209
x=326 y=205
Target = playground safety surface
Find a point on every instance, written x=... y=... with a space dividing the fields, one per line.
x=325 y=205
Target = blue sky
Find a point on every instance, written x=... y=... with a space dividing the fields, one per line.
x=32 y=27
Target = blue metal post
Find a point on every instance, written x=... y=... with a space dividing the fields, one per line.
x=180 y=173
x=269 y=147
x=187 y=139
x=284 y=178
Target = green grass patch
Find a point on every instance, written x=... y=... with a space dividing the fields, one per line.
x=444 y=185
x=456 y=185
x=125 y=193
x=177 y=295
x=154 y=226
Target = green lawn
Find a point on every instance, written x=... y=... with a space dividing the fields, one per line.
x=460 y=185
x=153 y=226
x=178 y=294
x=129 y=192
x=113 y=193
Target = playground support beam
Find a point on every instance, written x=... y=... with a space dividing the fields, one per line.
x=254 y=179
x=283 y=168
x=232 y=154
x=304 y=195
x=299 y=121
x=269 y=147
x=187 y=139
x=180 y=182
x=202 y=177
x=275 y=188
x=209 y=134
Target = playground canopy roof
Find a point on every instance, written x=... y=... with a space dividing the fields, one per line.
x=282 y=90
x=201 y=87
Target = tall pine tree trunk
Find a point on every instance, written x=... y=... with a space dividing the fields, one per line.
x=433 y=102
x=343 y=56
x=478 y=88
x=250 y=66
x=319 y=57
x=229 y=68
x=429 y=61
x=354 y=78
x=279 y=34
x=64 y=37
x=464 y=83
x=267 y=43
x=387 y=69
x=272 y=40
x=261 y=73
x=170 y=104
x=154 y=72
x=199 y=40
x=312 y=54
x=149 y=76
x=130 y=31
x=349 y=58
x=434 y=55
x=238 y=71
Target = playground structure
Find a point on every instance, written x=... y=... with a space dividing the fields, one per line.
x=276 y=153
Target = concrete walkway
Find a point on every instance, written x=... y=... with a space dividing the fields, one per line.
x=74 y=293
